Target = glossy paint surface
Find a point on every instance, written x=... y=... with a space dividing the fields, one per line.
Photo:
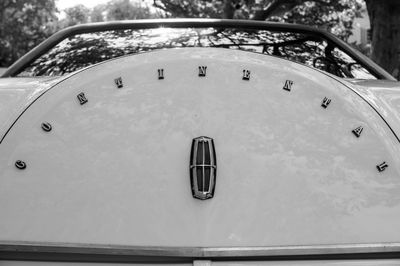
x=384 y=97
x=16 y=94
x=116 y=169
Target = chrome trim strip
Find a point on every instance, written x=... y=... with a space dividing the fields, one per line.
x=196 y=252
x=203 y=165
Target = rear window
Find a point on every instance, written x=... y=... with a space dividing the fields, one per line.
x=82 y=50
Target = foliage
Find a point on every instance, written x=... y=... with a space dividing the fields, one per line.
x=24 y=24
x=97 y=14
x=191 y=9
x=126 y=9
x=76 y=15
x=334 y=15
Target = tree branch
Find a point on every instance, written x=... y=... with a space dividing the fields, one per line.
x=167 y=6
x=278 y=5
x=266 y=12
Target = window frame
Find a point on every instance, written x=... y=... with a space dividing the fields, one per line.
x=58 y=37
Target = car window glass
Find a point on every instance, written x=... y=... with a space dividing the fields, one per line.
x=86 y=49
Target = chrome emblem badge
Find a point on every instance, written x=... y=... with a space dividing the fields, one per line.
x=203 y=168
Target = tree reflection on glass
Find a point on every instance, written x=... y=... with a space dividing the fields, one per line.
x=83 y=50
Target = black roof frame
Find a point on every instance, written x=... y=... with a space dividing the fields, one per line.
x=53 y=40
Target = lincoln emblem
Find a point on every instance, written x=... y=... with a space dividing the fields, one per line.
x=203 y=168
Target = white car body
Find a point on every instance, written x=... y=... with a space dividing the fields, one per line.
x=110 y=181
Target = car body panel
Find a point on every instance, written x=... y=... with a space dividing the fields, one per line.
x=2 y=70
x=110 y=183
x=115 y=170
x=384 y=96
x=16 y=94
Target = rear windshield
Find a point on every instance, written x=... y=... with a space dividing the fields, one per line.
x=86 y=49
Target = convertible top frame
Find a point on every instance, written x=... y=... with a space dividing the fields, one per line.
x=52 y=41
